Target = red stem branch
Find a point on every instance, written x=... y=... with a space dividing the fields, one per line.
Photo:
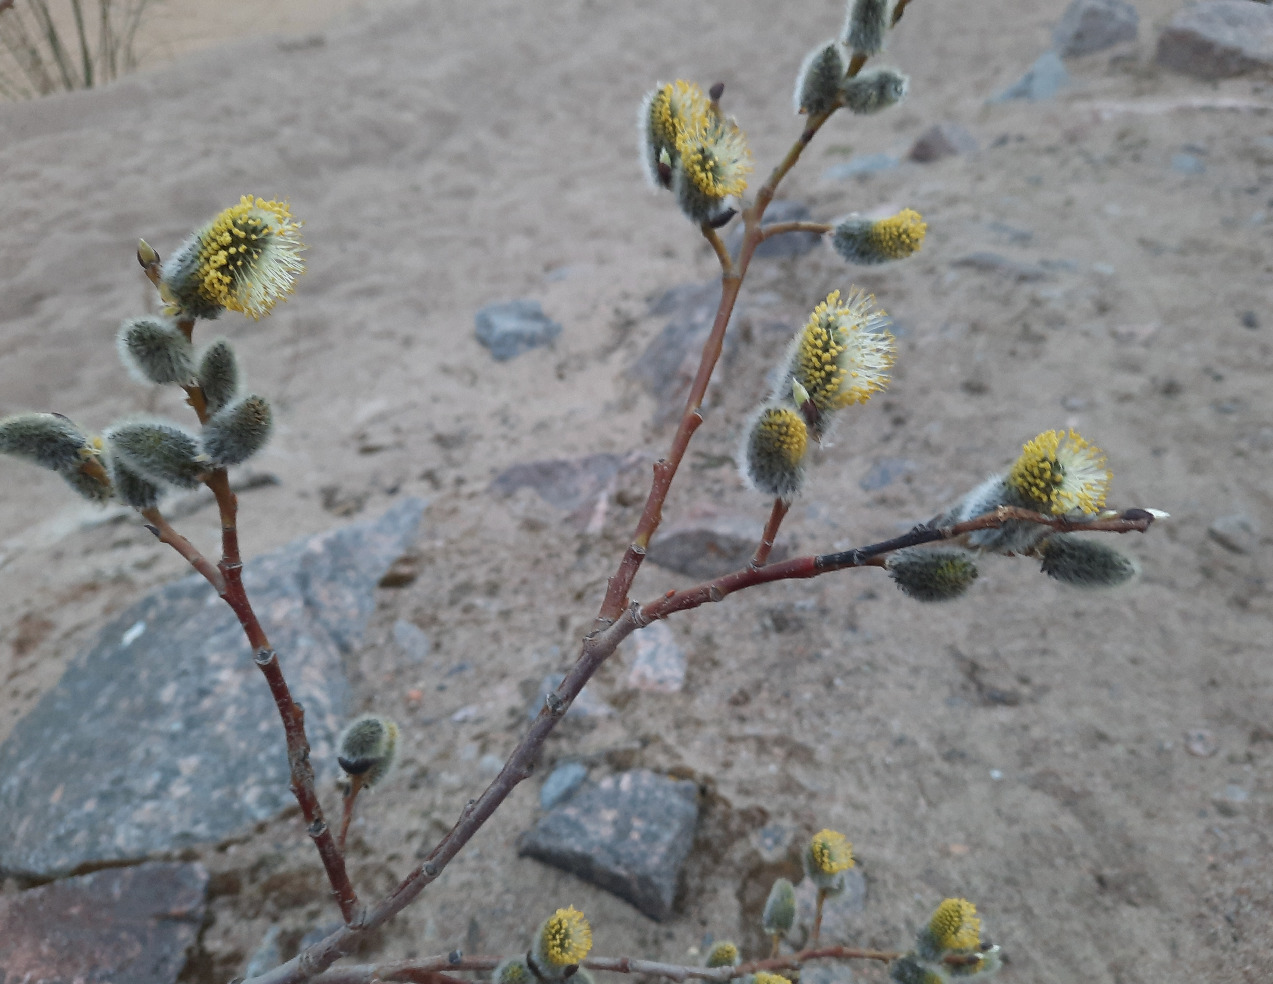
x=761 y=557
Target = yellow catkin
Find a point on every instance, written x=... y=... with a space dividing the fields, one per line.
x=1060 y=472
x=839 y=359
x=783 y=435
x=715 y=157
x=567 y=937
x=900 y=235
x=830 y=852
x=248 y=257
x=675 y=107
x=765 y=977
x=955 y=925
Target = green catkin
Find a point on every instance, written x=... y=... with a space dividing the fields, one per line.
x=780 y=908
x=89 y=486
x=723 y=953
x=561 y=942
x=218 y=375
x=867 y=24
x=133 y=489
x=512 y=970
x=238 y=432
x=932 y=574
x=818 y=83
x=46 y=439
x=154 y=350
x=909 y=970
x=160 y=451
x=874 y=90
x=1084 y=563
x=870 y=242
x=367 y=748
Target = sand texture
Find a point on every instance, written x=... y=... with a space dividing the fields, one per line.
x=1025 y=747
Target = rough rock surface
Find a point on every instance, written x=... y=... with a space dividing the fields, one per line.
x=945 y=139
x=629 y=834
x=580 y=487
x=118 y=926
x=1042 y=81
x=1218 y=39
x=708 y=542
x=162 y=734
x=510 y=328
x=658 y=661
x=1088 y=26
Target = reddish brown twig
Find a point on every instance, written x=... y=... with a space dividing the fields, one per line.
x=761 y=556
x=351 y=796
x=780 y=228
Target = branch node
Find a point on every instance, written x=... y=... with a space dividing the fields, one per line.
x=556 y=706
x=263 y=657
x=430 y=868
x=455 y=957
x=317 y=828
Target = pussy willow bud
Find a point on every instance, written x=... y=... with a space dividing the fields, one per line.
x=1084 y=562
x=46 y=439
x=771 y=459
x=561 y=941
x=870 y=242
x=133 y=489
x=827 y=856
x=954 y=927
x=818 y=83
x=932 y=574
x=159 y=451
x=909 y=970
x=218 y=375
x=780 y=908
x=92 y=483
x=874 y=90
x=723 y=953
x=238 y=432
x=712 y=164
x=866 y=25
x=367 y=748
x=512 y=970
x=154 y=350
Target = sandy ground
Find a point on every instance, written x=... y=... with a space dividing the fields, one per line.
x=1025 y=747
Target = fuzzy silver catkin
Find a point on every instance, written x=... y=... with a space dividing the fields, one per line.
x=867 y=24
x=181 y=274
x=368 y=747
x=159 y=451
x=133 y=489
x=154 y=350
x=874 y=90
x=46 y=439
x=780 y=908
x=1085 y=563
x=932 y=574
x=818 y=82
x=238 y=432
x=218 y=375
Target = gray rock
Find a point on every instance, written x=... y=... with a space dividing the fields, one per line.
x=885 y=472
x=510 y=328
x=580 y=487
x=162 y=734
x=1234 y=532
x=586 y=705
x=629 y=834
x=707 y=543
x=1042 y=81
x=988 y=262
x=839 y=922
x=561 y=782
x=1190 y=164
x=267 y=954
x=941 y=140
x=666 y=368
x=1094 y=25
x=118 y=926
x=659 y=663
x=786 y=246
x=1218 y=39
x=861 y=167
x=773 y=841
x=412 y=640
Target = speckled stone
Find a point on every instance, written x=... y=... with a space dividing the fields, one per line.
x=707 y=542
x=629 y=834
x=658 y=661
x=118 y=926
x=163 y=734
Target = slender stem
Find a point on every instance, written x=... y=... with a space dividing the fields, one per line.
x=761 y=557
x=817 y=917
x=596 y=648
x=718 y=246
x=779 y=228
x=166 y=534
x=776 y=941
x=416 y=970
x=351 y=795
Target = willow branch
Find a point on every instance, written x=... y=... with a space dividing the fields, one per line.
x=430 y=968
x=164 y=533
x=776 y=515
x=779 y=228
